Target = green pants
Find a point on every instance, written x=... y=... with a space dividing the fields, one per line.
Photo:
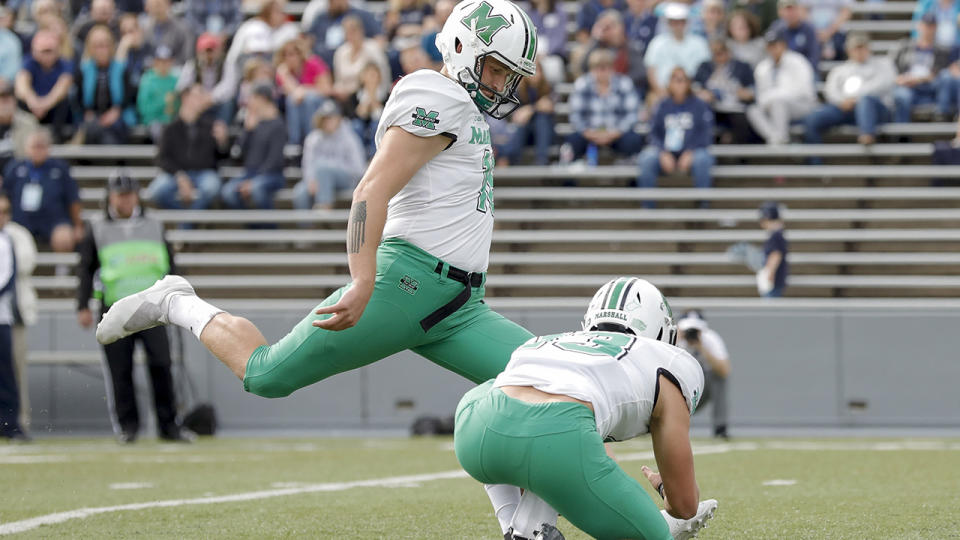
x=555 y=451
x=474 y=341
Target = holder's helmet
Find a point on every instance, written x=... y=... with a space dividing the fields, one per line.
x=634 y=306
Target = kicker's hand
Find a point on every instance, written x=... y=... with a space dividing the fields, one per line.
x=654 y=478
x=347 y=311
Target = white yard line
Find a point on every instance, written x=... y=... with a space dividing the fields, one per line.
x=780 y=482
x=60 y=517
x=409 y=481
x=131 y=485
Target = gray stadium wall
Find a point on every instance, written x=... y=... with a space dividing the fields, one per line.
x=794 y=365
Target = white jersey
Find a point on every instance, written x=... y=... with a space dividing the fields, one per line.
x=617 y=373
x=447 y=207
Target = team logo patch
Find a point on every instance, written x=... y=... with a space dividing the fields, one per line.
x=426 y=120
x=484 y=23
x=409 y=285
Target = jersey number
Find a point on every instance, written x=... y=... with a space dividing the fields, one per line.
x=610 y=344
x=485 y=200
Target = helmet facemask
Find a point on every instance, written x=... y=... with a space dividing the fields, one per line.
x=499 y=105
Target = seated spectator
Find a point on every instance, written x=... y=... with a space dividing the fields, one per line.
x=327 y=31
x=44 y=83
x=531 y=123
x=674 y=48
x=30 y=14
x=604 y=109
x=262 y=145
x=640 y=22
x=351 y=57
x=412 y=14
x=15 y=127
x=714 y=19
x=133 y=47
x=947 y=13
x=428 y=41
x=727 y=86
x=858 y=91
x=54 y=22
x=104 y=89
x=918 y=62
x=588 y=13
x=680 y=133
x=218 y=17
x=333 y=159
x=609 y=33
x=187 y=155
x=763 y=11
x=744 y=40
x=785 y=91
x=11 y=50
x=550 y=19
x=156 y=99
x=162 y=29
x=102 y=12
x=304 y=81
x=413 y=58
x=207 y=70
x=45 y=197
x=256 y=71
x=367 y=105
x=827 y=17
x=79 y=8
x=801 y=37
x=258 y=37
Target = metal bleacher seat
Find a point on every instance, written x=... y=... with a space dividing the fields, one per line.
x=555 y=244
x=573 y=284
x=311 y=259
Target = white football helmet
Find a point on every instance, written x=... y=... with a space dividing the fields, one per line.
x=632 y=305
x=479 y=29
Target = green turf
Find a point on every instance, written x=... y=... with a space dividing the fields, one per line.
x=844 y=489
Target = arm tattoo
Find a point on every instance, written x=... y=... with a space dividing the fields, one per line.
x=357 y=227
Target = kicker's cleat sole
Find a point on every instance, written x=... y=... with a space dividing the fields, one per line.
x=141 y=311
x=684 y=529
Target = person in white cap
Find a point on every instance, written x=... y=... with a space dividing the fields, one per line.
x=674 y=48
x=706 y=345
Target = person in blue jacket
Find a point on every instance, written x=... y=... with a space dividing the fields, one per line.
x=801 y=36
x=680 y=133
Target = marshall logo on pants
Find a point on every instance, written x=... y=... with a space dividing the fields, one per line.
x=409 y=285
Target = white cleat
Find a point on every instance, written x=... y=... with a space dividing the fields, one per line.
x=141 y=311
x=683 y=529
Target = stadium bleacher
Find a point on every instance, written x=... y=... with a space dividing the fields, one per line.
x=865 y=224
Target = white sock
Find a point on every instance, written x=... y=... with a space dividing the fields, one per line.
x=531 y=513
x=504 y=499
x=190 y=312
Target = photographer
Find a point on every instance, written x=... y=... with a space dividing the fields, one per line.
x=709 y=349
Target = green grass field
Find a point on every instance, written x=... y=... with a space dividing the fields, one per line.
x=413 y=488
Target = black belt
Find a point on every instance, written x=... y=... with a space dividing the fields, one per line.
x=469 y=280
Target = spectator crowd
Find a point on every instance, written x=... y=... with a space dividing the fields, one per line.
x=651 y=83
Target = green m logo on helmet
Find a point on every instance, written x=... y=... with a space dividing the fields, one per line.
x=486 y=26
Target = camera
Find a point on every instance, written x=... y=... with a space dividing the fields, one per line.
x=691 y=335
